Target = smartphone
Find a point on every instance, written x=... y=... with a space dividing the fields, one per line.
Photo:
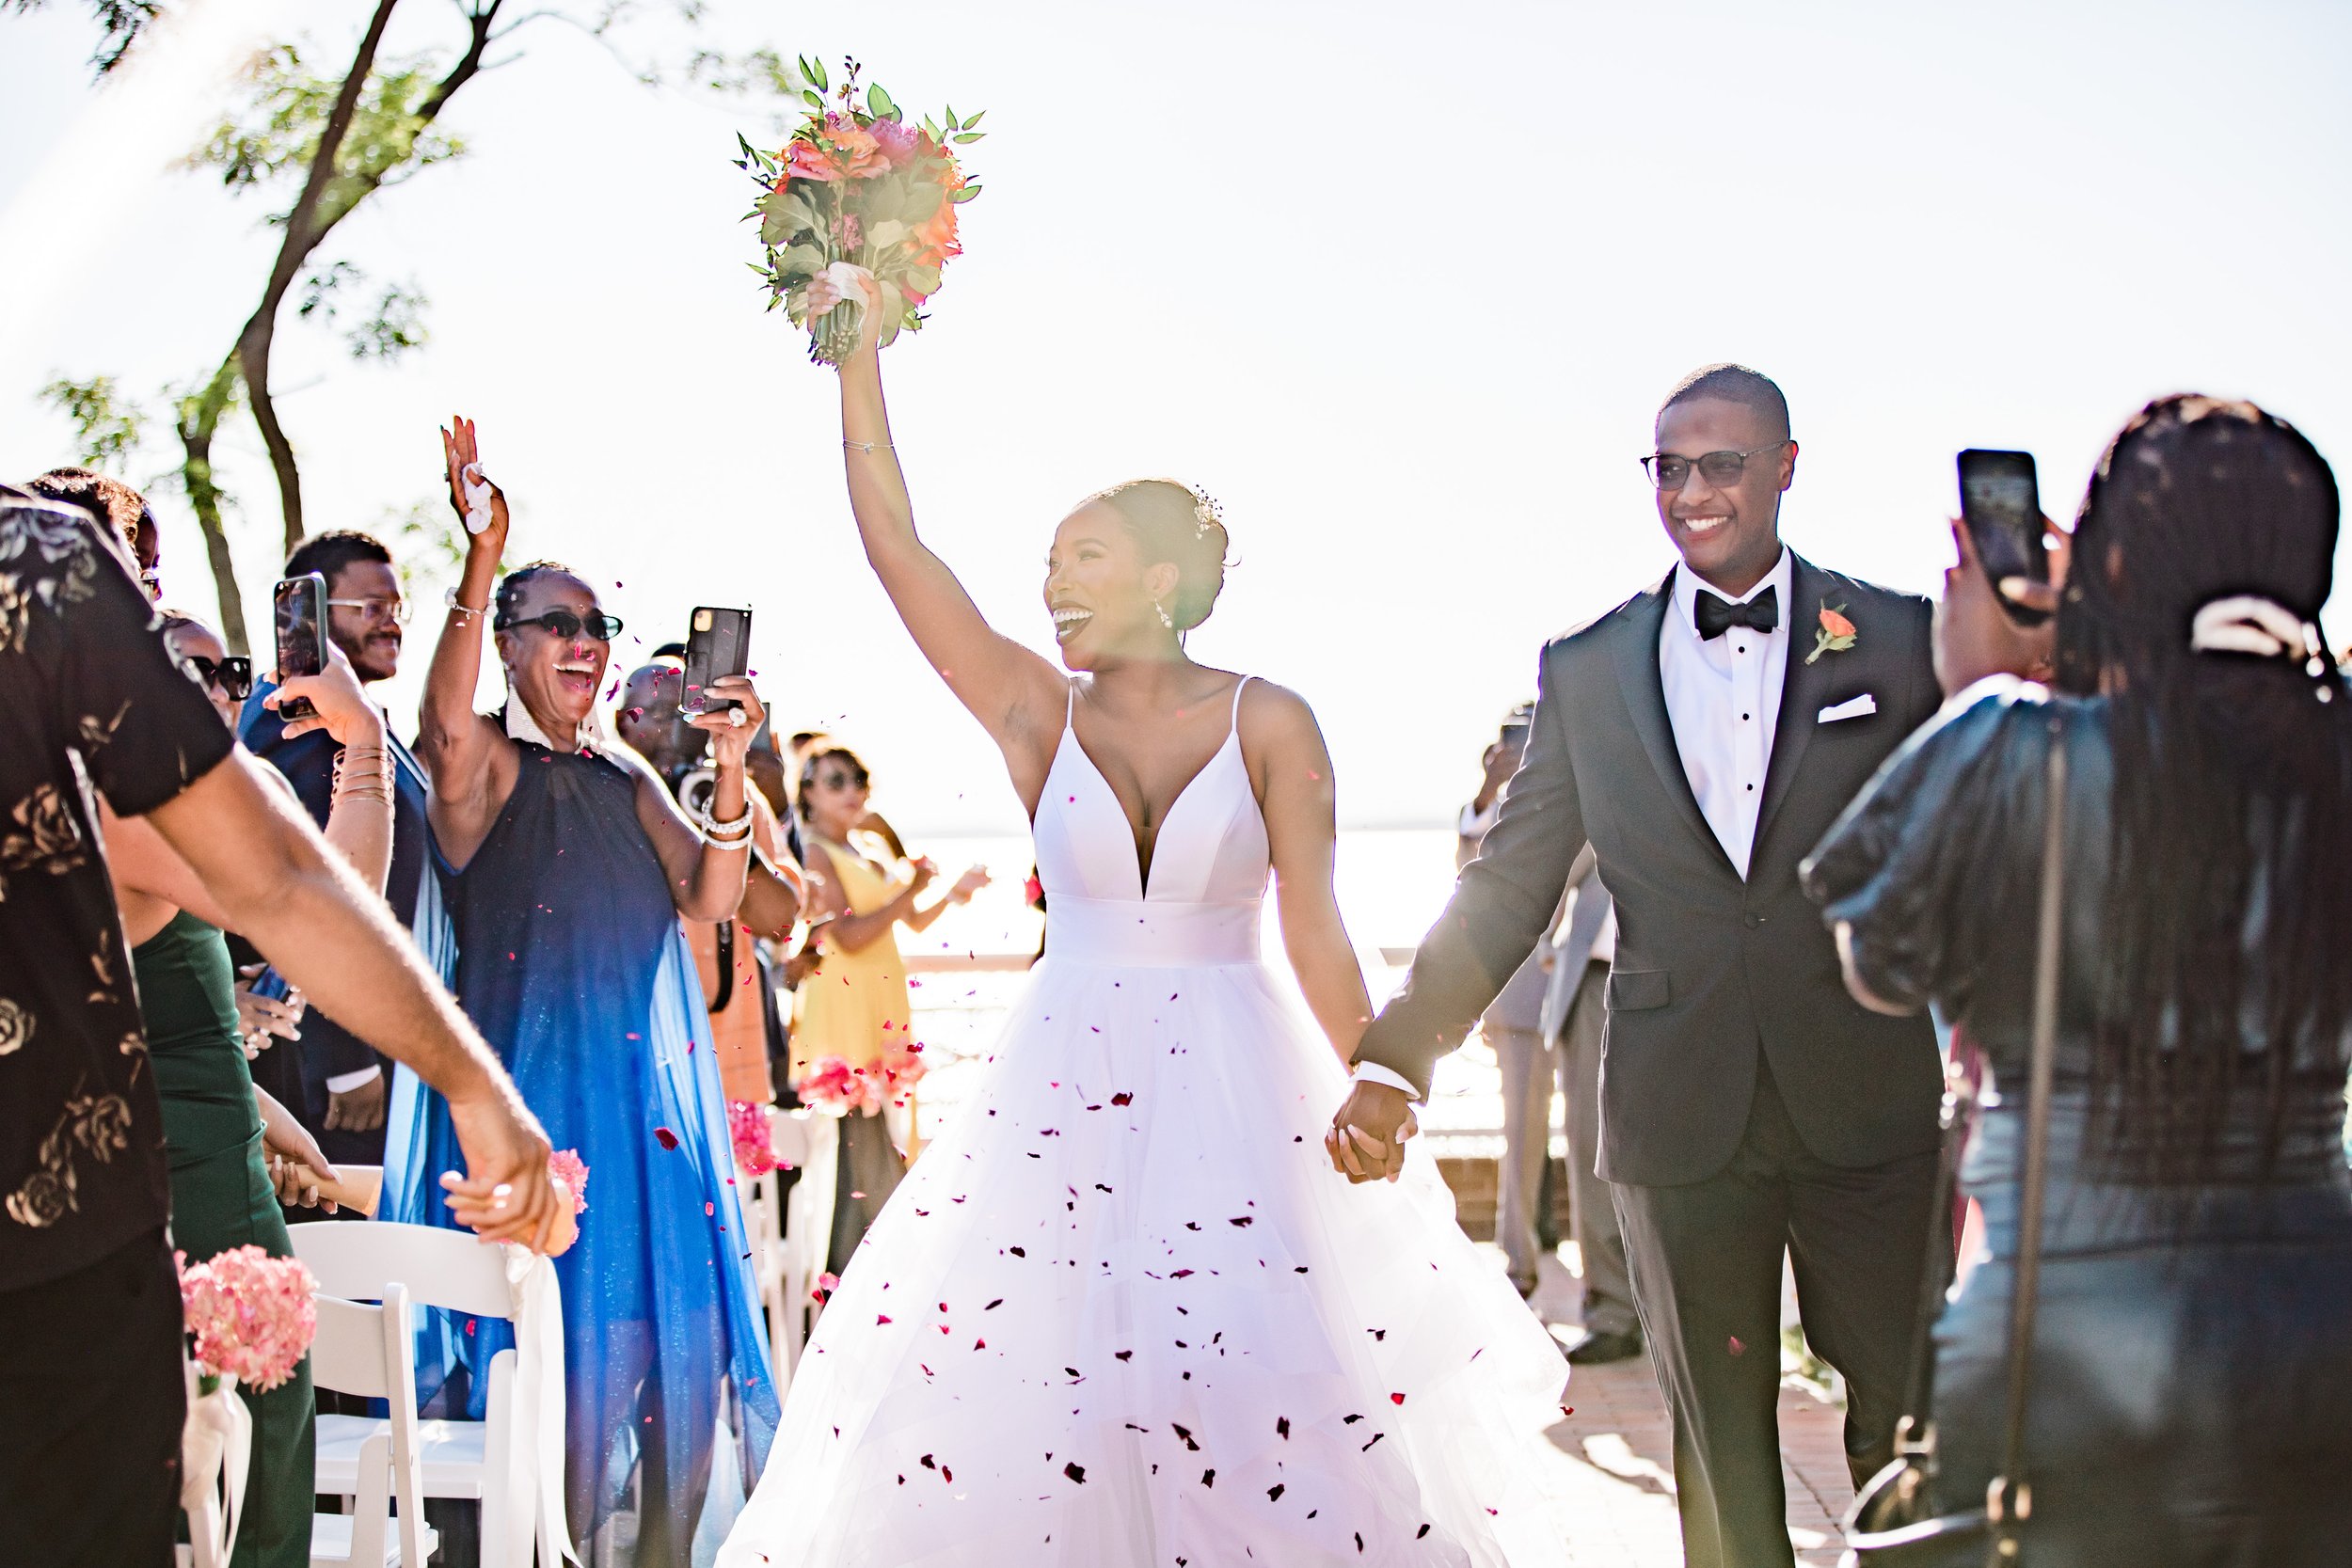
x=301 y=604
x=2001 y=503
x=718 y=642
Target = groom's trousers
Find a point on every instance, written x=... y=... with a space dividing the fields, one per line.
x=1706 y=1262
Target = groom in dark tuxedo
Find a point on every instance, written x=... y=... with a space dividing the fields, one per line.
x=1702 y=737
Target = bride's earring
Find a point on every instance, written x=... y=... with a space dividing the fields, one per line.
x=1166 y=619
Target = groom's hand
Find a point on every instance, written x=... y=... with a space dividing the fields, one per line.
x=1367 y=1137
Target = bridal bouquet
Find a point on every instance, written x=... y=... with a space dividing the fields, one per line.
x=251 y=1314
x=857 y=188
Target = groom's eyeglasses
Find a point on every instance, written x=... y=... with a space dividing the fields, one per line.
x=567 y=626
x=1718 y=468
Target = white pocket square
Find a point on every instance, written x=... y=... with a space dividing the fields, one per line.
x=1853 y=708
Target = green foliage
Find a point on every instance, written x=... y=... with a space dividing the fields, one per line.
x=393 y=324
x=272 y=137
x=119 y=22
x=107 y=425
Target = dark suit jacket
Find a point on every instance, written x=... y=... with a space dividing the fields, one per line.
x=327 y=1050
x=1709 y=970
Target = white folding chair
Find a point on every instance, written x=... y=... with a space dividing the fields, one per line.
x=215 y=1456
x=810 y=1141
x=365 y=1350
x=489 y=1462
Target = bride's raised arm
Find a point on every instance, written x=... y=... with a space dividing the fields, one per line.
x=1017 y=695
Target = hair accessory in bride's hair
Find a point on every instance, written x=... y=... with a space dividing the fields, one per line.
x=1208 y=514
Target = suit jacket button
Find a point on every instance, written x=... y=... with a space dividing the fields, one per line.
x=1751 y=921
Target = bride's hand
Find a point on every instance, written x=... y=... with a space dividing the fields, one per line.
x=824 y=294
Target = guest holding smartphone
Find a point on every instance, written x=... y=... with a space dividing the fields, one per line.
x=2189 y=1394
x=566 y=866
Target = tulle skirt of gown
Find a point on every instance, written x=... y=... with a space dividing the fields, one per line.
x=1123 y=1312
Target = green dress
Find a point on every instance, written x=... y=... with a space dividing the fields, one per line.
x=221 y=1198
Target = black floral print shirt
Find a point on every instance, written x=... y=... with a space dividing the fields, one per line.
x=90 y=699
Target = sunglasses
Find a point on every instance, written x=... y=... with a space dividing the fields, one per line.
x=232 y=676
x=565 y=624
x=1718 y=468
x=393 y=610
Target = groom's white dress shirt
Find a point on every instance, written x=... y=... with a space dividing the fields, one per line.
x=1723 y=701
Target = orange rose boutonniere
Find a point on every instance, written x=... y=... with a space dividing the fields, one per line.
x=1836 y=634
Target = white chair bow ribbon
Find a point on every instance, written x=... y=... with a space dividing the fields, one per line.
x=215 y=1446
x=539 y=1383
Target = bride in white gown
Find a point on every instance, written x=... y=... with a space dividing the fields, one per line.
x=1122 y=1311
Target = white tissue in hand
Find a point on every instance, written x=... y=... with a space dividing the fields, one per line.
x=845 y=277
x=478 y=491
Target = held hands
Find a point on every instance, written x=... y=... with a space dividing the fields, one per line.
x=1974 y=637
x=730 y=729
x=462 y=448
x=1367 y=1137
x=506 y=1194
x=340 y=704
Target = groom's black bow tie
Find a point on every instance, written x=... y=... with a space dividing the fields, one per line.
x=1717 y=616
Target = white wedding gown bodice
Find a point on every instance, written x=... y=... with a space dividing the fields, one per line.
x=1122 y=1311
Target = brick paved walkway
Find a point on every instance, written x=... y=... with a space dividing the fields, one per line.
x=1616 y=1461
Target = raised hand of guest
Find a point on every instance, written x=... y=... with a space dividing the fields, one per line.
x=340 y=704
x=461 y=445
x=969 y=883
x=1974 y=637
x=730 y=728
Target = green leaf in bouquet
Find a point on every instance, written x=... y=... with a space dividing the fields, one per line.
x=974 y=120
x=815 y=101
x=923 y=280
x=968 y=137
x=967 y=194
x=920 y=201
x=880 y=103
x=802 y=261
x=814 y=71
x=881 y=237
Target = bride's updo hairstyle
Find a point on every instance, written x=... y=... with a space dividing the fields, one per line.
x=1176 y=523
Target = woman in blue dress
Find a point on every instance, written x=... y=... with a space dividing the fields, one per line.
x=565 y=868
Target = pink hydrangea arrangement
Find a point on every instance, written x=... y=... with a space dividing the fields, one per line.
x=833 y=1085
x=567 y=1167
x=754 y=1151
x=858 y=185
x=251 y=1315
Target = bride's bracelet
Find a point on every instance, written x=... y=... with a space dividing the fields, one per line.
x=869 y=446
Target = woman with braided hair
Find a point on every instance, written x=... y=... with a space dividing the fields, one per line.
x=2189 y=1403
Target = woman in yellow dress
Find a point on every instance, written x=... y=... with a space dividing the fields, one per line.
x=857 y=1004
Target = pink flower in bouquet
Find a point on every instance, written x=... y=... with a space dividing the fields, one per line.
x=806 y=160
x=849 y=231
x=899 y=143
x=833 y=1085
x=566 y=1166
x=251 y=1314
x=747 y=1125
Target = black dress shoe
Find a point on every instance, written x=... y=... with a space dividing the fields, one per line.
x=1598 y=1350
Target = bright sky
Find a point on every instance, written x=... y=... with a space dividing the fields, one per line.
x=1399 y=285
